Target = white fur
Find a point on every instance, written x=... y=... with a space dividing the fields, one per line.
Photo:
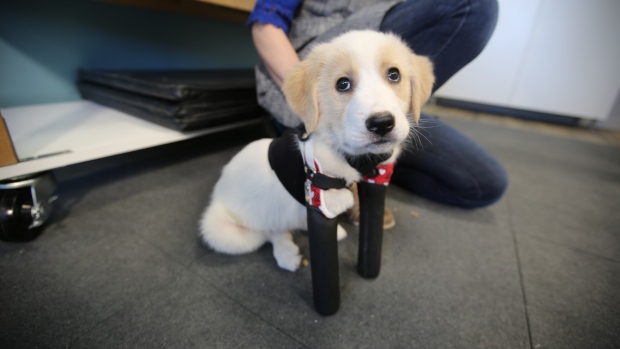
x=249 y=205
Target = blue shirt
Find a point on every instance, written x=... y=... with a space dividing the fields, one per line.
x=277 y=12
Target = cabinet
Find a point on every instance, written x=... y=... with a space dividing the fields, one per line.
x=49 y=136
x=43 y=43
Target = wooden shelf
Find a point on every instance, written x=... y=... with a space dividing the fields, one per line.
x=50 y=136
x=243 y=5
x=229 y=10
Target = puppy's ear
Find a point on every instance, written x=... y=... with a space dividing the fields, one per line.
x=300 y=90
x=422 y=81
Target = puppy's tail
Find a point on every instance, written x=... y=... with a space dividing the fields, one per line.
x=221 y=231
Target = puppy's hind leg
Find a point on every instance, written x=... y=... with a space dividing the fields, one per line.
x=285 y=251
x=223 y=232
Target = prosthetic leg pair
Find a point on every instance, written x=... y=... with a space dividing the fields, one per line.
x=299 y=172
x=323 y=241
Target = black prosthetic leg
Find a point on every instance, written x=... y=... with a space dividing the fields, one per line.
x=323 y=242
x=372 y=205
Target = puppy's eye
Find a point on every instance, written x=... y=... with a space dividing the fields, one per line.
x=393 y=75
x=343 y=84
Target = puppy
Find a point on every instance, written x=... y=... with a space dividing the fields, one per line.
x=355 y=95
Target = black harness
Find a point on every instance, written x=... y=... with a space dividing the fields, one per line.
x=287 y=162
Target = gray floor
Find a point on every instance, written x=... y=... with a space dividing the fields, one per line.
x=120 y=265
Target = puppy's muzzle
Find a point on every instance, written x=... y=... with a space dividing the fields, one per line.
x=380 y=123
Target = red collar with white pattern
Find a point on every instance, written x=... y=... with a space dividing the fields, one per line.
x=317 y=182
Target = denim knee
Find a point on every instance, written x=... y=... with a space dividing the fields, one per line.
x=489 y=188
x=482 y=18
x=485 y=10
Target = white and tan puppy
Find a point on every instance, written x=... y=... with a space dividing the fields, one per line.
x=356 y=95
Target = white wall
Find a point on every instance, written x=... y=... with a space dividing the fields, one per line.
x=553 y=56
x=489 y=78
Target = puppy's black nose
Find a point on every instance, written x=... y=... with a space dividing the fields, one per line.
x=380 y=123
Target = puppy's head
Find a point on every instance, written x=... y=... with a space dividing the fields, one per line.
x=358 y=89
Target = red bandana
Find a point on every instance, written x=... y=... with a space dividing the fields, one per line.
x=384 y=176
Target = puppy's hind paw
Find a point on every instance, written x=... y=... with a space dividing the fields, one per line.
x=341 y=233
x=290 y=262
x=286 y=252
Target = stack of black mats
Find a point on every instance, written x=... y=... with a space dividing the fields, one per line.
x=182 y=100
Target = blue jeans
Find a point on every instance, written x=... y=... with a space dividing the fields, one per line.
x=448 y=167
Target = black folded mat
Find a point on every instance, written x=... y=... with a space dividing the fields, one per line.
x=182 y=100
x=183 y=116
x=176 y=84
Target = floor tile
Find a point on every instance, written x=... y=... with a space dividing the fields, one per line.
x=72 y=278
x=187 y=313
x=560 y=190
x=572 y=296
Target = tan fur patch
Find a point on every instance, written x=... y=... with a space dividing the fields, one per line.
x=339 y=64
x=396 y=56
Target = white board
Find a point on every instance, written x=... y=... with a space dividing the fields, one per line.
x=50 y=136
